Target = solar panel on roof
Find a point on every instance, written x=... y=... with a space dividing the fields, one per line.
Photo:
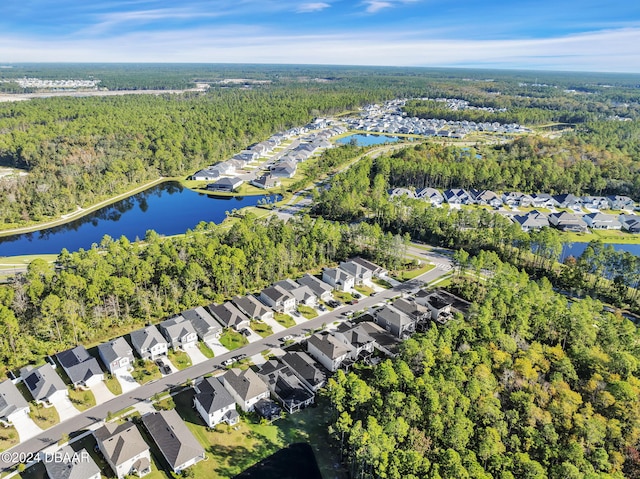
x=32 y=381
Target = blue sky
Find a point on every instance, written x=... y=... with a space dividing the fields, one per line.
x=584 y=35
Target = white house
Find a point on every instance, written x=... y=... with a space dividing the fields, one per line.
x=12 y=403
x=149 y=343
x=339 y=279
x=214 y=403
x=245 y=387
x=117 y=355
x=328 y=351
x=124 y=449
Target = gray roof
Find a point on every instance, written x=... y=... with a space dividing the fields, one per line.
x=410 y=307
x=316 y=285
x=213 y=396
x=146 y=338
x=10 y=399
x=176 y=327
x=227 y=313
x=357 y=336
x=393 y=317
x=81 y=468
x=374 y=268
x=354 y=269
x=277 y=293
x=245 y=383
x=175 y=441
x=251 y=306
x=305 y=367
x=328 y=345
x=42 y=382
x=78 y=364
x=121 y=442
x=338 y=275
x=202 y=321
x=299 y=291
x=284 y=383
x=118 y=348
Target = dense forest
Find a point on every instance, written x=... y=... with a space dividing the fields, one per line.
x=529 y=386
x=119 y=284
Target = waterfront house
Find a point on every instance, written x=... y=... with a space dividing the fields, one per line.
x=226 y=184
x=568 y=222
x=266 y=181
x=534 y=220
x=601 y=221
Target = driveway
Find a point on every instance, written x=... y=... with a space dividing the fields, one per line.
x=196 y=355
x=253 y=337
x=101 y=392
x=26 y=427
x=299 y=319
x=275 y=326
x=126 y=381
x=217 y=348
x=66 y=410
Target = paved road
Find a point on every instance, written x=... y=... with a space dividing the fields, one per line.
x=98 y=413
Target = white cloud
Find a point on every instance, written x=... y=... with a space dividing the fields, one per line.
x=376 y=5
x=612 y=50
x=312 y=7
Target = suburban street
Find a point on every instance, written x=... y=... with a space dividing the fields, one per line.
x=95 y=415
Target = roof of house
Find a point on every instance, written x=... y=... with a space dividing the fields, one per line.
x=78 y=364
x=229 y=182
x=284 y=383
x=146 y=338
x=564 y=219
x=354 y=269
x=381 y=336
x=10 y=399
x=251 y=306
x=304 y=366
x=277 y=293
x=245 y=383
x=212 y=396
x=430 y=193
x=266 y=181
x=121 y=442
x=177 y=327
x=393 y=317
x=115 y=349
x=42 y=382
x=328 y=345
x=228 y=314
x=170 y=433
x=533 y=219
x=201 y=321
x=301 y=292
x=409 y=307
x=357 y=336
x=338 y=275
x=79 y=465
x=316 y=285
x=374 y=268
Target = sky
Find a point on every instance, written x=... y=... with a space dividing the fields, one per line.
x=569 y=35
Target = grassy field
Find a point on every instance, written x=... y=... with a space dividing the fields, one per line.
x=16 y=263
x=284 y=320
x=82 y=400
x=231 y=339
x=307 y=311
x=113 y=384
x=606 y=236
x=230 y=450
x=179 y=359
x=147 y=372
x=412 y=273
x=260 y=328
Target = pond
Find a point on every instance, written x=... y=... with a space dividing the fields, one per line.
x=576 y=249
x=367 y=140
x=168 y=208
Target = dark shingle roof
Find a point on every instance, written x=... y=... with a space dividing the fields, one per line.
x=121 y=442
x=78 y=364
x=213 y=396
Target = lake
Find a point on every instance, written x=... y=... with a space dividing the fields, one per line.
x=576 y=249
x=368 y=140
x=167 y=208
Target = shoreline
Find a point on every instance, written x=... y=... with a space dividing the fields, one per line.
x=80 y=212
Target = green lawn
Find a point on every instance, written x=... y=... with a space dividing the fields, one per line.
x=364 y=290
x=231 y=339
x=113 y=384
x=261 y=328
x=382 y=283
x=342 y=296
x=307 y=311
x=606 y=236
x=8 y=437
x=284 y=320
x=82 y=400
x=204 y=349
x=230 y=450
x=179 y=359
x=44 y=417
x=146 y=371
x=412 y=273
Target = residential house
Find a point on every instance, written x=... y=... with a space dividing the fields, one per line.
x=374 y=268
x=384 y=341
x=179 y=332
x=457 y=196
x=534 y=220
x=515 y=199
x=361 y=274
x=214 y=403
x=286 y=169
x=328 y=351
x=116 y=355
x=595 y=202
x=285 y=386
x=83 y=369
x=229 y=316
x=431 y=195
x=419 y=313
x=176 y=443
x=601 y=221
x=207 y=328
x=69 y=464
x=568 y=222
x=618 y=202
x=396 y=322
x=43 y=383
x=302 y=293
x=124 y=449
x=266 y=181
x=208 y=174
x=338 y=278
x=569 y=201
x=398 y=192
x=149 y=343
x=226 y=184
x=486 y=197
x=630 y=223
x=278 y=298
x=543 y=200
x=252 y=307
x=439 y=307
x=357 y=339
x=245 y=387
x=12 y=403
x=303 y=366
x=321 y=289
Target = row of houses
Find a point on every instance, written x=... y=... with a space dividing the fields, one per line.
x=564 y=221
x=460 y=196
